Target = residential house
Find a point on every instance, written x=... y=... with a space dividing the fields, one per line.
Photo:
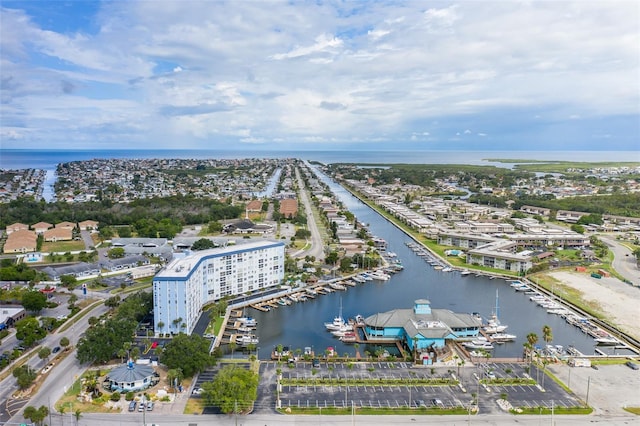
x=22 y=241
x=58 y=234
x=16 y=227
x=41 y=227
x=88 y=225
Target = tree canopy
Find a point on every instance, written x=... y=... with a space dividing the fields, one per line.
x=34 y=301
x=190 y=353
x=101 y=342
x=233 y=388
x=29 y=331
x=203 y=244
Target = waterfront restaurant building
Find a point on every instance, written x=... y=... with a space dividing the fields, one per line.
x=421 y=326
x=185 y=285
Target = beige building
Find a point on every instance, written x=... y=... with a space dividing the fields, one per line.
x=69 y=225
x=88 y=225
x=58 y=234
x=22 y=241
x=16 y=227
x=41 y=227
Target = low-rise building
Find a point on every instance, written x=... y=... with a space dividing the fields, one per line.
x=22 y=241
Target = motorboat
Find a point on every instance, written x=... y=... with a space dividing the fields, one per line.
x=494 y=326
x=478 y=344
x=503 y=337
x=246 y=339
x=248 y=321
x=338 y=323
x=607 y=340
x=380 y=276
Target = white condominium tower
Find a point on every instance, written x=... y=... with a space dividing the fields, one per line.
x=185 y=285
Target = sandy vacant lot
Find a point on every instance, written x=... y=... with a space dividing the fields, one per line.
x=620 y=302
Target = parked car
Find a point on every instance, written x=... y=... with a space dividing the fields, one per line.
x=132 y=406
x=632 y=365
x=141 y=407
x=437 y=403
x=316 y=363
x=150 y=405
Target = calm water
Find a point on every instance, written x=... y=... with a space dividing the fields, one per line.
x=301 y=324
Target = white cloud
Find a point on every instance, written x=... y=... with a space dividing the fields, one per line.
x=316 y=73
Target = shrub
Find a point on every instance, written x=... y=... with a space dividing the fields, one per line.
x=129 y=396
x=115 y=397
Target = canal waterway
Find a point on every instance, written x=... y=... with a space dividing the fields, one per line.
x=302 y=324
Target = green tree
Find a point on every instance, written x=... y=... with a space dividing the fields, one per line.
x=102 y=341
x=233 y=390
x=44 y=353
x=191 y=353
x=68 y=281
x=112 y=302
x=24 y=375
x=34 y=301
x=116 y=253
x=577 y=228
x=175 y=376
x=214 y=227
x=36 y=415
x=547 y=334
x=29 y=331
x=64 y=342
x=345 y=264
x=332 y=257
x=203 y=244
x=77 y=415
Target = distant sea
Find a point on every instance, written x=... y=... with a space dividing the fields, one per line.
x=48 y=160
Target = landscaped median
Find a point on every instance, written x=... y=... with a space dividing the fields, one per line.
x=333 y=411
x=380 y=381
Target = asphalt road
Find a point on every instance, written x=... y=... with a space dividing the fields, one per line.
x=624 y=262
x=62 y=373
x=317 y=249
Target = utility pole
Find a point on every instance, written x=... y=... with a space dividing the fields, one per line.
x=235 y=410
x=588 y=383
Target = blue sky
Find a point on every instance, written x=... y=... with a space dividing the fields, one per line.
x=471 y=75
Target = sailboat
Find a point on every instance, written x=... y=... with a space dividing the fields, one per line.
x=338 y=324
x=493 y=324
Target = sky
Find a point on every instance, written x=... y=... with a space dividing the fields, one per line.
x=417 y=75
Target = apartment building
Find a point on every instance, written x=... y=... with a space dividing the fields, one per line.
x=185 y=285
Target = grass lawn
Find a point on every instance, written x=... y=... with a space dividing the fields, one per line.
x=62 y=246
x=544 y=411
x=570 y=294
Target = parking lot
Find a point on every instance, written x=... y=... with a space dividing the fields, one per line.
x=391 y=396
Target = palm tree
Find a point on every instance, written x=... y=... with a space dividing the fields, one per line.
x=77 y=416
x=160 y=325
x=548 y=337
x=62 y=409
x=532 y=339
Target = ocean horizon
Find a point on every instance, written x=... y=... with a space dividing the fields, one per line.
x=49 y=159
